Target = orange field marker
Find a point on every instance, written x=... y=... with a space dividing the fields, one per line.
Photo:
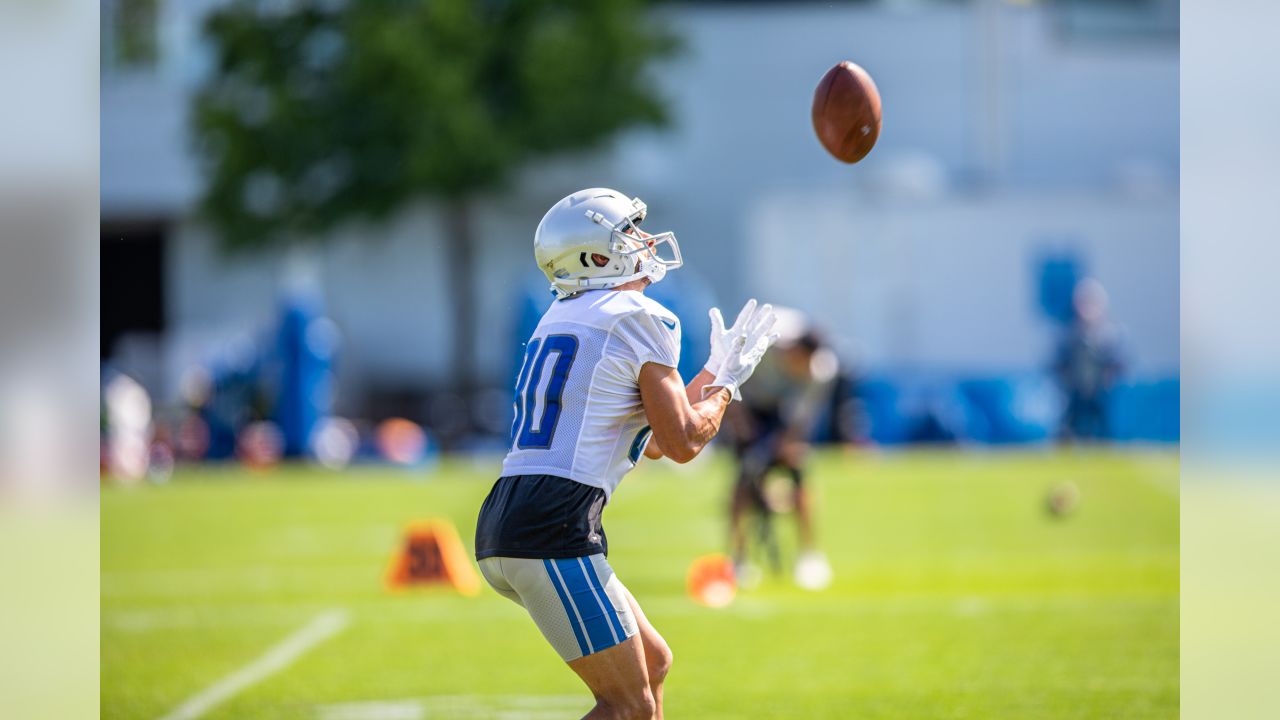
x=431 y=553
x=710 y=581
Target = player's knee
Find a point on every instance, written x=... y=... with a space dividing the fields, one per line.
x=642 y=706
x=659 y=665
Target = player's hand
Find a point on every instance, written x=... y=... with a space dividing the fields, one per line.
x=722 y=339
x=746 y=351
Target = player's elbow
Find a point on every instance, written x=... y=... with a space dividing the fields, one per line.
x=683 y=453
x=680 y=439
x=681 y=457
x=678 y=446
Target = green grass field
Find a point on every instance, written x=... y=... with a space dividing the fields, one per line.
x=956 y=595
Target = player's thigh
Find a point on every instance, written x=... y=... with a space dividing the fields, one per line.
x=617 y=675
x=743 y=493
x=577 y=603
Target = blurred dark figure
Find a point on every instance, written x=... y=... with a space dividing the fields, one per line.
x=771 y=430
x=1087 y=365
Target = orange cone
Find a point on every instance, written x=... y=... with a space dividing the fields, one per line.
x=710 y=581
x=429 y=554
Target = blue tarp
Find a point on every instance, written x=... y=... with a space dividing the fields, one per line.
x=1004 y=409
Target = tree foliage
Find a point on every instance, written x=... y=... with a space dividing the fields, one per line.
x=320 y=111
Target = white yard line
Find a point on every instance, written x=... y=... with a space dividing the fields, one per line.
x=460 y=707
x=374 y=710
x=321 y=628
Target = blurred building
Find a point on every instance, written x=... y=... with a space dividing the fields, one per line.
x=1011 y=130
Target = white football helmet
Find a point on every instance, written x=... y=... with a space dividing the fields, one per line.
x=590 y=240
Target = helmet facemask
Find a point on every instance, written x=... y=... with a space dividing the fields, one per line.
x=650 y=256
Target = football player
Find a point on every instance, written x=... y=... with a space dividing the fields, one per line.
x=597 y=389
x=770 y=430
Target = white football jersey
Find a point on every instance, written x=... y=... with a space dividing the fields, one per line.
x=577 y=412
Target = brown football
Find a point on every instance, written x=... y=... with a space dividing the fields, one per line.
x=846 y=112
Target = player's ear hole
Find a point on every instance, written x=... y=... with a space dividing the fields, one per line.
x=599 y=260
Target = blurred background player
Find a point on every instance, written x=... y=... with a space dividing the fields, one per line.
x=1087 y=365
x=771 y=431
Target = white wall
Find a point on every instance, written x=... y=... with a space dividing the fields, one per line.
x=952 y=284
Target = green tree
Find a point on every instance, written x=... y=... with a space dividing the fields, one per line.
x=319 y=112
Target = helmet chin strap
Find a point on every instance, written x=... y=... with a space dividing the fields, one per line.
x=573 y=287
x=652 y=270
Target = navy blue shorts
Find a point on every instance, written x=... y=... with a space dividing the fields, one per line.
x=541 y=516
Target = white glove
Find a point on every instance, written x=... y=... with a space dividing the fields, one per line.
x=746 y=351
x=722 y=339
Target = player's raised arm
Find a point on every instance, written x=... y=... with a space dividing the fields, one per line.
x=681 y=426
